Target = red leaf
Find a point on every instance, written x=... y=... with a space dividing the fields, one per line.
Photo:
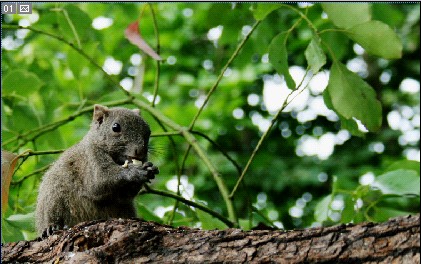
x=133 y=35
x=8 y=162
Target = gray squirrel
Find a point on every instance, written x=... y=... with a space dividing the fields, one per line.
x=98 y=177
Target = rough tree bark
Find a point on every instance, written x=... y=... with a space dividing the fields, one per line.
x=136 y=241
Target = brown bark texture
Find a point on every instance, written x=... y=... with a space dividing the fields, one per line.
x=137 y=241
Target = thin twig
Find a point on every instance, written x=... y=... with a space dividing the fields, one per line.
x=180 y=172
x=35 y=172
x=254 y=209
x=174 y=149
x=233 y=56
x=302 y=15
x=166 y=134
x=72 y=26
x=216 y=145
x=158 y=48
x=263 y=137
x=29 y=152
x=191 y=203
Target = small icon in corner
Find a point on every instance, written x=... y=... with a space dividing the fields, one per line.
x=24 y=8
x=8 y=8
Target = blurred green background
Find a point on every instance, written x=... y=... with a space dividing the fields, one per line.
x=309 y=171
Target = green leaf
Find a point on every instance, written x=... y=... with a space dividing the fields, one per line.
x=209 y=222
x=244 y=224
x=327 y=100
x=353 y=97
x=352 y=126
x=315 y=56
x=29 y=235
x=74 y=23
x=278 y=57
x=388 y=13
x=178 y=219
x=348 y=212
x=346 y=15
x=21 y=82
x=321 y=211
x=58 y=142
x=405 y=164
x=382 y=214
x=264 y=9
x=337 y=43
x=23 y=117
x=10 y=233
x=22 y=221
x=348 y=124
x=398 y=182
x=77 y=62
x=377 y=39
x=146 y=214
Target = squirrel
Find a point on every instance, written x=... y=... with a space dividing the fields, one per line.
x=98 y=177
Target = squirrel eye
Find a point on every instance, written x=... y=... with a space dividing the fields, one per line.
x=116 y=127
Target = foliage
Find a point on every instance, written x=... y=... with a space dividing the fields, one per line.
x=231 y=151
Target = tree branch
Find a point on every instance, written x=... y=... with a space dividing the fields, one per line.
x=136 y=241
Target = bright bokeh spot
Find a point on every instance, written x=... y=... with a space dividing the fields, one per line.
x=101 y=22
x=112 y=66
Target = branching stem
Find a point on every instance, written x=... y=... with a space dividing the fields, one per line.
x=264 y=136
x=158 y=49
x=191 y=203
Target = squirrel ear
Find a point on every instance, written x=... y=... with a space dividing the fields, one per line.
x=99 y=112
x=136 y=111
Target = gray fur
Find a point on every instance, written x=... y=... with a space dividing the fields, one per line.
x=88 y=181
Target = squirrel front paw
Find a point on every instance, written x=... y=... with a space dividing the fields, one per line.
x=150 y=169
x=141 y=172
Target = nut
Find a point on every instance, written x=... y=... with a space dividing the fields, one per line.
x=137 y=162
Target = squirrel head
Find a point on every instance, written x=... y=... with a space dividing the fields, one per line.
x=122 y=133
